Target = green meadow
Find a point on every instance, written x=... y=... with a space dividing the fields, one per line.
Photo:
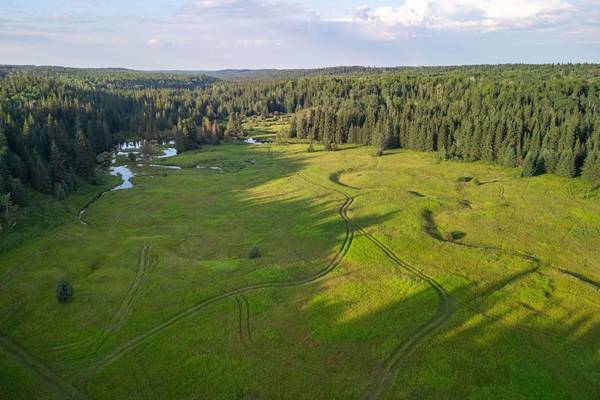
x=392 y=277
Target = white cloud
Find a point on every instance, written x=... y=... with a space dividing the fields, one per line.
x=287 y=33
x=157 y=42
x=483 y=15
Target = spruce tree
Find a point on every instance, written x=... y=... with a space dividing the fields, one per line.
x=84 y=160
x=550 y=161
x=7 y=212
x=57 y=164
x=509 y=158
x=40 y=178
x=17 y=192
x=566 y=164
x=591 y=167
x=530 y=165
x=64 y=291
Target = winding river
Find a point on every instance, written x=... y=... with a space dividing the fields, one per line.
x=125 y=172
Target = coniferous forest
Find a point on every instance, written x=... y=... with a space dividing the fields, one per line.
x=55 y=122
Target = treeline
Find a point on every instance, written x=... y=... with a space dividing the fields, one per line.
x=53 y=126
x=544 y=118
x=55 y=121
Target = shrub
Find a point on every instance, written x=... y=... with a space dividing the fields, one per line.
x=131 y=156
x=254 y=253
x=64 y=291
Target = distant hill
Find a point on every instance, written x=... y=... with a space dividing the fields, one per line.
x=115 y=78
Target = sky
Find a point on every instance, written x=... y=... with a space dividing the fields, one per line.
x=218 y=34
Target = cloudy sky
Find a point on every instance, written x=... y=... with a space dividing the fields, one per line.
x=214 y=34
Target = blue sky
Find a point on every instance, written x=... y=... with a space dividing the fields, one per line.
x=214 y=34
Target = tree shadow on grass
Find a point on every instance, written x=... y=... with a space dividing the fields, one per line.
x=492 y=346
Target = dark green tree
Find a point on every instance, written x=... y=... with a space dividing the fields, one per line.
x=530 y=165
x=566 y=164
x=509 y=159
x=591 y=167
x=64 y=291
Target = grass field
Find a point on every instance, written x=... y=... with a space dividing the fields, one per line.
x=395 y=277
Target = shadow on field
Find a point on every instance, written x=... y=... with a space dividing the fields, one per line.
x=500 y=342
x=495 y=345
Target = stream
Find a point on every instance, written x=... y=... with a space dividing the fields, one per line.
x=125 y=172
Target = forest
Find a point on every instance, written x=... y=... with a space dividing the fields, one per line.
x=55 y=123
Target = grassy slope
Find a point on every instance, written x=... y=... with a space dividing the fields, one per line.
x=181 y=237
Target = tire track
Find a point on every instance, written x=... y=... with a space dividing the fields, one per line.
x=6 y=278
x=120 y=317
x=244 y=321
x=72 y=346
x=501 y=193
x=384 y=375
x=135 y=342
x=17 y=305
x=581 y=278
x=64 y=389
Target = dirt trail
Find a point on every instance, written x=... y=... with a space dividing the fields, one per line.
x=135 y=342
x=385 y=373
x=120 y=317
x=29 y=362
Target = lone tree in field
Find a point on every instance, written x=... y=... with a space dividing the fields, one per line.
x=64 y=291
x=254 y=253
